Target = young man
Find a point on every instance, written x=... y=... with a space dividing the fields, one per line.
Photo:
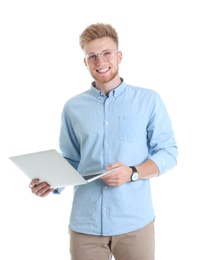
x=113 y=124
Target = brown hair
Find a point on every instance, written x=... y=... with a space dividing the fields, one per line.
x=95 y=31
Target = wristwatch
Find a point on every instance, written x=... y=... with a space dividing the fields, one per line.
x=135 y=174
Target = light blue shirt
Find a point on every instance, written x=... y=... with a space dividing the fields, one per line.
x=130 y=126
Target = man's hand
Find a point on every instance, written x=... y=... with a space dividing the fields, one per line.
x=119 y=176
x=41 y=189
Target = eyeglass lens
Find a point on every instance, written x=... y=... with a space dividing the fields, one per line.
x=106 y=55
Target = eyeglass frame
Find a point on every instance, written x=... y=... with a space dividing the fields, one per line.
x=100 y=54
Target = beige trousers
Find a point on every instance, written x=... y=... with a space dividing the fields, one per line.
x=136 y=245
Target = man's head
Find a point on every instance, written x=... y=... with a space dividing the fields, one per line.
x=96 y=31
x=99 y=43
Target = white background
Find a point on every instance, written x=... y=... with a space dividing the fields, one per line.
x=167 y=46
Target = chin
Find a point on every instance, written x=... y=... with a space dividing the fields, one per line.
x=105 y=79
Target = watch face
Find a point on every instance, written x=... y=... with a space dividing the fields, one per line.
x=135 y=176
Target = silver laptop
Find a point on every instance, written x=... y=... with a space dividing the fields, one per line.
x=51 y=167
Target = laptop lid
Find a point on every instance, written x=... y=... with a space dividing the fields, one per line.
x=51 y=167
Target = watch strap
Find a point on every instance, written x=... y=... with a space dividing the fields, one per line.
x=133 y=169
x=134 y=173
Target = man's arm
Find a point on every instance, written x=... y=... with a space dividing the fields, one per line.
x=123 y=174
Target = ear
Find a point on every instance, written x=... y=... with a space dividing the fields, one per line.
x=120 y=56
x=85 y=63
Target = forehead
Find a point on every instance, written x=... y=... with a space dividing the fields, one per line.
x=98 y=45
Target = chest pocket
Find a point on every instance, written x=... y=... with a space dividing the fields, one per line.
x=130 y=128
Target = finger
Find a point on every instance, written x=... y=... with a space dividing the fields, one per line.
x=44 y=192
x=38 y=189
x=112 y=183
x=107 y=176
x=113 y=165
x=33 y=183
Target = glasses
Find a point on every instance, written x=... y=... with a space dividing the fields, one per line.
x=106 y=55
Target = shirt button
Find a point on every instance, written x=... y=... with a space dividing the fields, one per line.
x=107 y=123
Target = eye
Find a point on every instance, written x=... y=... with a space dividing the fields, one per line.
x=92 y=57
x=106 y=53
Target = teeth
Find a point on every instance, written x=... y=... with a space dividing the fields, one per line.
x=103 y=70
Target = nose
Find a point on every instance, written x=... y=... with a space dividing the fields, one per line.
x=99 y=58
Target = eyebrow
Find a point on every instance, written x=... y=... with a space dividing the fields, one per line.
x=97 y=52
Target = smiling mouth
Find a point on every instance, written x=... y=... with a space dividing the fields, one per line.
x=103 y=70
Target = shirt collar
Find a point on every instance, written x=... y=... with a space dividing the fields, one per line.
x=115 y=92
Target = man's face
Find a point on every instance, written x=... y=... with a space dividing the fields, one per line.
x=102 y=71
